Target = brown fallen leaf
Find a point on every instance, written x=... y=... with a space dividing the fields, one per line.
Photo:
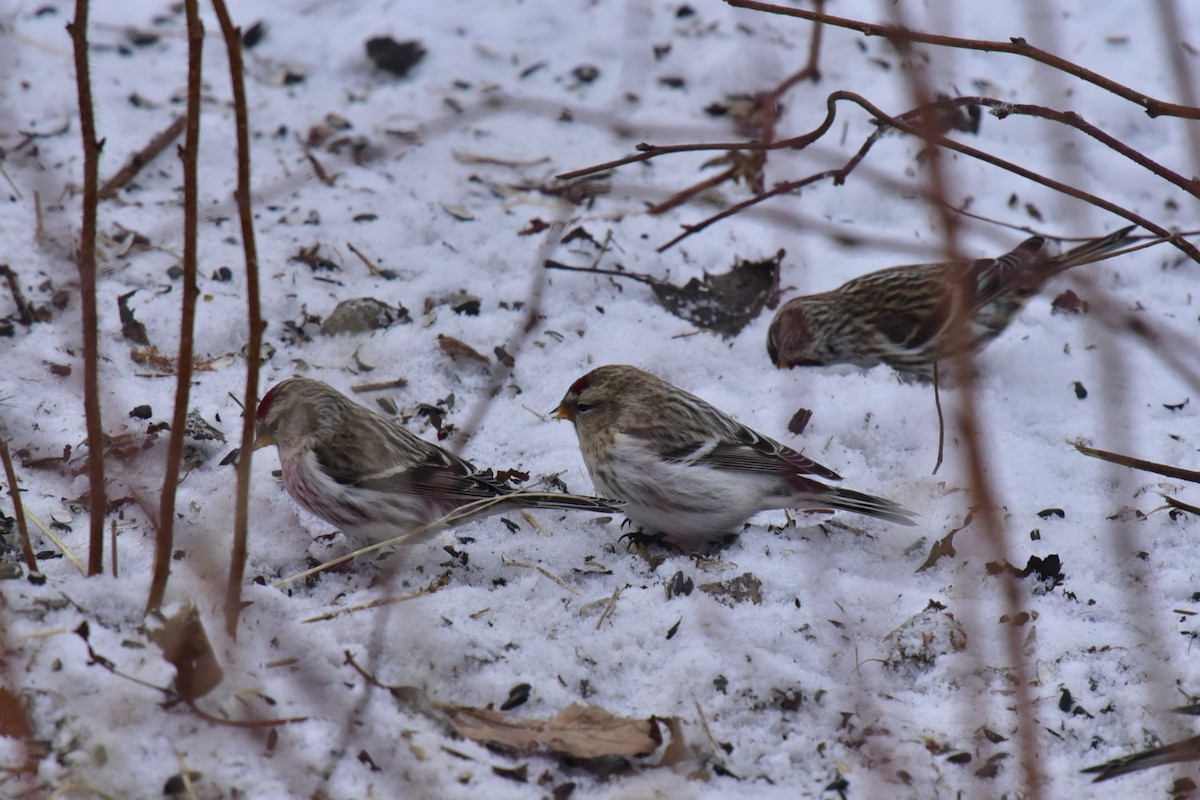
x=799 y=421
x=723 y=303
x=165 y=365
x=185 y=646
x=579 y=730
x=736 y=590
x=944 y=546
x=131 y=329
x=456 y=348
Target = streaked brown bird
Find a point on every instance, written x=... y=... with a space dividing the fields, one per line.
x=904 y=316
x=373 y=479
x=688 y=470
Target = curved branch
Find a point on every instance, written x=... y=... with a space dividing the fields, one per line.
x=1015 y=46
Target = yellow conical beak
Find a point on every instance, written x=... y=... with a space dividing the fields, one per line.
x=263 y=439
x=562 y=412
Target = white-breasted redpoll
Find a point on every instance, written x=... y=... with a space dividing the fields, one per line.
x=688 y=470
x=904 y=316
x=373 y=479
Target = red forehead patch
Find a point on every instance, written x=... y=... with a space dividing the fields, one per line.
x=264 y=405
x=581 y=384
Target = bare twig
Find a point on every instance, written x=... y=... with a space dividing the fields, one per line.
x=1136 y=463
x=97 y=493
x=907 y=122
x=14 y=492
x=937 y=403
x=237 y=557
x=437 y=583
x=164 y=536
x=509 y=562
x=372 y=267
x=924 y=123
x=533 y=311
x=1015 y=46
x=142 y=157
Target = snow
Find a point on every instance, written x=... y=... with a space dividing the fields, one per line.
x=813 y=685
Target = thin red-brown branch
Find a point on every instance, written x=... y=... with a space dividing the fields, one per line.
x=14 y=492
x=1015 y=46
x=237 y=557
x=142 y=157
x=1178 y=473
x=811 y=71
x=925 y=120
x=97 y=493
x=679 y=198
x=164 y=538
x=1001 y=109
x=907 y=122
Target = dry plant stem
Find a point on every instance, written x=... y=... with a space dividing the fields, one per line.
x=142 y=157
x=1136 y=463
x=241 y=723
x=97 y=493
x=1001 y=109
x=905 y=122
x=1176 y=52
x=533 y=311
x=164 y=536
x=14 y=492
x=237 y=557
x=937 y=404
x=1015 y=46
x=810 y=71
x=972 y=434
x=679 y=198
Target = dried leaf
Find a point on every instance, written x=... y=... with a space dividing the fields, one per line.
x=165 y=365
x=724 y=303
x=736 y=590
x=456 y=348
x=579 y=731
x=945 y=546
x=185 y=646
x=395 y=57
x=1069 y=303
x=131 y=329
x=799 y=421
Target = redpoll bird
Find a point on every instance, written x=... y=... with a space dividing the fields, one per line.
x=686 y=469
x=371 y=477
x=904 y=316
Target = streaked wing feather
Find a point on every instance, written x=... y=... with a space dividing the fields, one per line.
x=741 y=450
x=402 y=462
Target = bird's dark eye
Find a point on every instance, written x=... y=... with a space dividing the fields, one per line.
x=582 y=407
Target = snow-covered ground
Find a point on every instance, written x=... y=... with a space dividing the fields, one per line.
x=837 y=675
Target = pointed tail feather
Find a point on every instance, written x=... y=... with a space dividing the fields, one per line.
x=1187 y=750
x=564 y=502
x=1089 y=251
x=871 y=506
